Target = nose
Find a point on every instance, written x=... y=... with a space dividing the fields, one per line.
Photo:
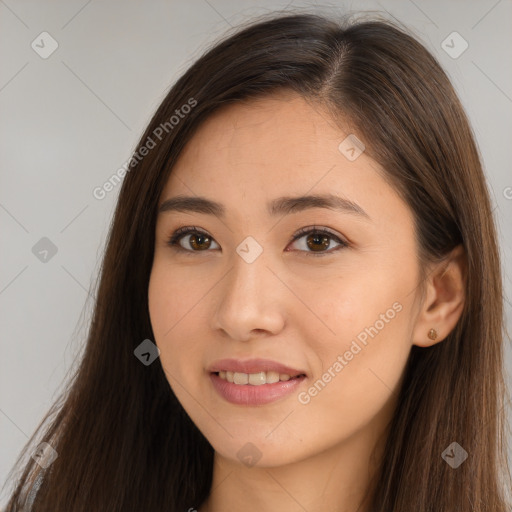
x=250 y=301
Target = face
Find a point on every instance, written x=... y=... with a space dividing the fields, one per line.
x=308 y=306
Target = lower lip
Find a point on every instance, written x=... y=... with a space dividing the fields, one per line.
x=247 y=394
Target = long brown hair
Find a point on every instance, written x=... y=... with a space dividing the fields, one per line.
x=124 y=442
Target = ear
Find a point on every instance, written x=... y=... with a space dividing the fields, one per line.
x=443 y=300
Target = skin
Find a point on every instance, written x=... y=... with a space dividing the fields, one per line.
x=291 y=305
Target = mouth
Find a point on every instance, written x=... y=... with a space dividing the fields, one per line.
x=254 y=382
x=256 y=379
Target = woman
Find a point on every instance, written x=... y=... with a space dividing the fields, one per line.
x=300 y=305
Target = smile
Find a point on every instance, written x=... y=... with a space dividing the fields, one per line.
x=255 y=379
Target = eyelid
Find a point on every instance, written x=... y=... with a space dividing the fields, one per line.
x=187 y=230
x=319 y=229
x=177 y=235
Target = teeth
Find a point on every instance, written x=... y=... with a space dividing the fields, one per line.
x=241 y=378
x=255 y=379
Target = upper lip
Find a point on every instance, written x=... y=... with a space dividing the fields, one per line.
x=253 y=366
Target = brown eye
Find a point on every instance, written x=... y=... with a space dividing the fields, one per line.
x=191 y=240
x=200 y=241
x=317 y=242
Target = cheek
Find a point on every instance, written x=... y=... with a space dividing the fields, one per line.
x=359 y=341
x=172 y=297
x=356 y=381
x=171 y=308
x=345 y=307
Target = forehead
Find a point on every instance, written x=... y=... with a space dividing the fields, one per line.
x=283 y=132
x=251 y=152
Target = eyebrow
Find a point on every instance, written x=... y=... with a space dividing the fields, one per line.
x=285 y=205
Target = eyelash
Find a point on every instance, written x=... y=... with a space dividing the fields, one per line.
x=182 y=232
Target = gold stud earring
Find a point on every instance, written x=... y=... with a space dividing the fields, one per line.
x=432 y=334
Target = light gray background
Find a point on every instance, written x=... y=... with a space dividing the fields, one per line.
x=70 y=121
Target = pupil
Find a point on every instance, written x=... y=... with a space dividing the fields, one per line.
x=318 y=239
x=201 y=239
